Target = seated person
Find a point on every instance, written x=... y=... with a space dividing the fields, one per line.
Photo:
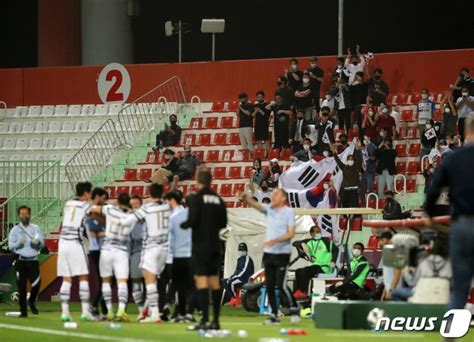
x=242 y=273
x=274 y=173
x=186 y=165
x=260 y=192
x=353 y=284
x=171 y=166
x=305 y=154
x=392 y=209
x=170 y=135
x=258 y=174
x=323 y=254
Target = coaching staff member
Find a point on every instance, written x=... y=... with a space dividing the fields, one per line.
x=25 y=240
x=280 y=229
x=207 y=216
x=455 y=172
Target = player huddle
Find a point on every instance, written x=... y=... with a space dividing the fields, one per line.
x=137 y=244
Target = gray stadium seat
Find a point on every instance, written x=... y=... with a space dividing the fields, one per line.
x=28 y=128
x=9 y=144
x=22 y=144
x=14 y=128
x=3 y=127
x=48 y=143
x=82 y=126
x=54 y=127
x=60 y=110
x=88 y=110
x=47 y=111
x=101 y=109
x=41 y=127
x=34 y=111
x=115 y=108
x=36 y=143
x=68 y=127
x=94 y=126
x=62 y=143
x=74 y=110
x=75 y=143
x=21 y=111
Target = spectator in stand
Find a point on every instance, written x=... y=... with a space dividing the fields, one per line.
x=294 y=75
x=464 y=106
x=396 y=116
x=392 y=209
x=385 y=121
x=369 y=163
x=428 y=139
x=350 y=179
x=281 y=113
x=369 y=124
x=305 y=154
x=463 y=80
x=262 y=192
x=343 y=143
x=304 y=97
x=378 y=89
x=246 y=113
x=287 y=93
x=359 y=92
x=354 y=64
x=262 y=123
x=386 y=168
x=170 y=167
x=343 y=106
x=328 y=102
x=317 y=75
x=258 y=174
x=187 y=165
x=341 y=70
x=450 y=116
x=428 y=175
x=425 y=109
x=274 y=173
x=325 y=130
x=169 y=136
x=298 y=131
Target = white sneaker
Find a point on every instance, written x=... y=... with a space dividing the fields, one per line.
x=143 y=313
x=88 y=317
x=151 y=319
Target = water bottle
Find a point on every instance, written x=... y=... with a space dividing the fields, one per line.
x=293 y=332
x=70 y=325
x=114 y=326
x=13 y=313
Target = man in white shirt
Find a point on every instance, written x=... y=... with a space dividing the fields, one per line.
x=465 y=106
x=354 y=64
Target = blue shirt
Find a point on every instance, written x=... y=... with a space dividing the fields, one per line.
x=92 y=225
x=20 y=238
x=278 y=223
x=180 y=239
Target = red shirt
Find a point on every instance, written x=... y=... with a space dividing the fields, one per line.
x=386 y=122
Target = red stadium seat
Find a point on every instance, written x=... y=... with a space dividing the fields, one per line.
x=414 y=150
x=238 y=188
x=196 y=123
x=219 y=172
x=381 y=203
x=372 y=203
x=401 y=134
x=227 y=155
x=407 y=115
x=342 y=223
x=199 y=154
x=217 y=106
x=212 y=156
x=189 y=139
x=230 y=204
x=411 y=185
x=210 y=123
x=147 y=191
x=413 y=168
x=353 y=133
x=390 y=99
x=235 y=172
x=205 y=139
x=401 y=167
x=233 y=106
x=123 y=190
x=373 y=242
x=234 y=139
x=402 y=99
x=399 y=185
x=220 y=139
x=144 y=174
x=111 y=190
x=356 y=224
x=248 y=171
x=274 y=153
x=412 y=132
x=130 y=175
x=246 y=154
x=151 y=158
x=226 y=190
x=415 y=98
x=438 y=115
x=137 y=190
x=286 y=154
x=227 y=122
x=192 y=188
x=401 y=150
x=259 y=154
x=214 y=187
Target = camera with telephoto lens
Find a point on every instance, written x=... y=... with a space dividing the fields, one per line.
x=406 y=249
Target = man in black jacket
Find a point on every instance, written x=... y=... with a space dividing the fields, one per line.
x=298 y=130
x=392 y=209
x=386 y=169
x=207 y=216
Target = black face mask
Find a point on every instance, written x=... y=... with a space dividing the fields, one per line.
x=173 y=123
x=300 y=118
x=264 y=188
x=261 y=101
x=25 y=220
x=343 y=142
x=377 y=77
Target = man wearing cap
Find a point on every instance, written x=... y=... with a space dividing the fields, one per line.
x=242 y=273
x=392 y=209
x=186 y=165
x=170 y=135
x=316 y=75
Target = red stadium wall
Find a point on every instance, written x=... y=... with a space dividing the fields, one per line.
x=404 y=72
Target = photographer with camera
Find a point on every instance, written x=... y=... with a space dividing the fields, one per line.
x=454 y=172
x=391 y=275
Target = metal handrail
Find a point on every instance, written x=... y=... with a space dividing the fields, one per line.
x=4 y=104
x=404 y=184
x=376 y=200
x=195 y=97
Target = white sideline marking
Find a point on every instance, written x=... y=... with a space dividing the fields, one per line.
x=67 y=333
x=375 y=335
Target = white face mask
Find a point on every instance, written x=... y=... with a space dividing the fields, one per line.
x=306 y=147
x=367 y=142
x=325 y=153
x=424 y=96
x=464 y=93
x=242 y=253
x=167 y=156
x=356 y=252
x=385 y=110
x=428 y=126
x=317 y=236
x=447 y=110
x=294 y=66
x=313 y=65
x=350 y=162
x=305 y=80
x=382 y=134
x=371 y=113
x=328 y=97
x=325 y=186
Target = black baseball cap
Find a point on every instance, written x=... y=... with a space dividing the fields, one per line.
x=386 y=235
x=243 y=246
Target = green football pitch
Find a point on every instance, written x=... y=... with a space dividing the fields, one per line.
x=47 y=327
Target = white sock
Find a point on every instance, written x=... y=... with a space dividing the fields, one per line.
x=122 y=290
x=152 y=299
x=64 y=294
x=84 y=296
x=137 y=293
x=107 y=294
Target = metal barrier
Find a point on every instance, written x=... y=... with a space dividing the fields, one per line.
x=41 y=193
x=3 y=113
x=404 y=184
x=372 y=194
x=195 y=97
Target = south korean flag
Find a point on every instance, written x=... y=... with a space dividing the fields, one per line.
x=430 y=134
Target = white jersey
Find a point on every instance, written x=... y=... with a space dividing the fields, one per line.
x=117 y=235
x=136 y=238
x=155 y=230
x=75 y=211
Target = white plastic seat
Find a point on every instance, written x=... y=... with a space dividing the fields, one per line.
x=1 y=142
x=68 y=127
x=3 y=127
x=22 y=144
x=54 y=127
x=60 y=110
x=88 y=110
x=82 y=126
x=101 y=109
x=115 y=108
x=34 y=111
x=48 y=143
x=9 y=144
x=47 y=111
x=65 y=158
x=28 y=127
x=35 y=143
x=62 y=143
x=15 y=128
x=94 y=125
x=41 y=127
x=74 y=110
x=3 y=157
x=75 y=143
x=21 y=111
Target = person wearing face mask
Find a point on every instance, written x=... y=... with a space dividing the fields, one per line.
x=359 y=92
x=187 y=165
x=464 y=80
x=343 y=142
x=386 y=169
x=369 y=123
x=428 y=139
x=464 y=106
x=378 y=88
x=304 y=97
x=26 y=240
x=386 y=122
x=450 y=116
x=343 y=104
x=262 y=192
x=316 y=75
x=286 y=92
x=281 y=112
x=350 y=177
x=170 y=136
x=425 y=109
x=391 y=275
x=274 y=173
x=262 y=122
x=258 y=174
x=294 y=75
x=352 y=287
x=354 y=64
x=323 y=254
x=298 y=131
x=171 y=166
x=246 y=115
x=368 y=166
x=392 y=209
x=241 y=275
x=324 y=130
x=328 y=102
x=305 y=154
